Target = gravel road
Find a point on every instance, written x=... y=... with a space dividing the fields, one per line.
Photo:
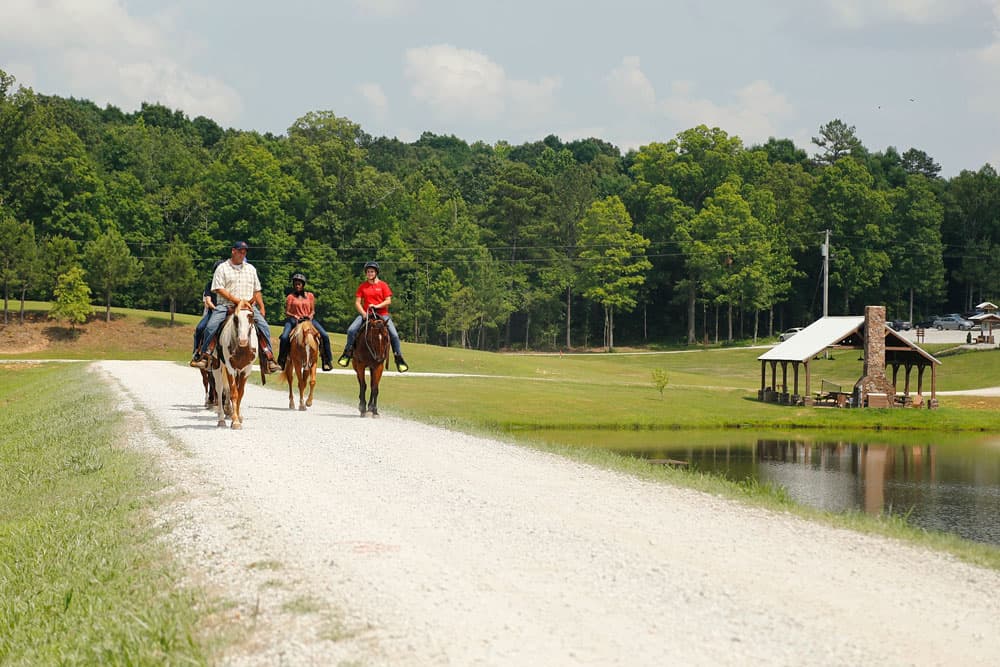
x=387 y=542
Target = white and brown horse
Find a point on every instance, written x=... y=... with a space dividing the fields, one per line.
x=237 y=349
x=303 y=354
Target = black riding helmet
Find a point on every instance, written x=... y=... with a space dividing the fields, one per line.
x=298 y=276
x=372 y=265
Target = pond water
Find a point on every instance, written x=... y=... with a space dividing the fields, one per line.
x=943 y=482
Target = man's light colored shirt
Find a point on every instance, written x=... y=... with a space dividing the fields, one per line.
x=240 y=280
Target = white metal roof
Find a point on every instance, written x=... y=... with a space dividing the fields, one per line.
x=825 y=332
x=815 y=338
x=985 y=317
x=987 y=306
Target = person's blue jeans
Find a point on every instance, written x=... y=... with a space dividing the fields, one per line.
x=352 y=333
x=290 y=323
x=199 y=330
x=218 y=316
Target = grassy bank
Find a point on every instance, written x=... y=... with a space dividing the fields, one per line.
x=82 y=578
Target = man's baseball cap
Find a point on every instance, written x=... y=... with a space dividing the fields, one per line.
x=241 y=245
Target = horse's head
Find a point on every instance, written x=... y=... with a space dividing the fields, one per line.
x=245 y=331
x=373 y=346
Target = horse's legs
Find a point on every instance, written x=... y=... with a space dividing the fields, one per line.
x=360 y=372
x=303 y=378
x=288 y=376
x=224 y=394
x=312 y=384
x=376 y=377
x=238 y=386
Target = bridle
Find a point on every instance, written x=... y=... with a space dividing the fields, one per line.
x=370 y=320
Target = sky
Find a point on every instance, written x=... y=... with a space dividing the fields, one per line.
x=919 y=74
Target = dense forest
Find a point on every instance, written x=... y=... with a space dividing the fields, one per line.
x=544 y=245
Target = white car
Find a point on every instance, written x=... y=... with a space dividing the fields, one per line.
x=788 y=333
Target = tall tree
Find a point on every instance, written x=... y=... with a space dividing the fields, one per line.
x=836 y=140
x=613 y=261
x=177 y=277
x=846 y=201
x=916 y=250
x=17 y=255
x=110 y=265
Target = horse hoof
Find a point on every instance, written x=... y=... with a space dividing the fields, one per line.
x=309 y=403
x=302 y=408
x=222 y=422
x=236 y=426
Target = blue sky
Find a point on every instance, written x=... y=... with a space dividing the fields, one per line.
x=905 y=73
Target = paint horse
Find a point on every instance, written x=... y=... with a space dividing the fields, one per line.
x=303 y=353
x=371 y=350
x=237 y=349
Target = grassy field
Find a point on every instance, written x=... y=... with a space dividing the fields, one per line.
x=82 y=577
x=707 y=388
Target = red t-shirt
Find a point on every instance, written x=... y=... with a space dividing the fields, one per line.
x=300 y=306
x=374 y=293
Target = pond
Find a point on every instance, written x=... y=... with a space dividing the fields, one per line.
x=938 y=481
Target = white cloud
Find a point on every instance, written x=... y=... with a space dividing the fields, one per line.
x=863 y=13
x=752 y=116
x=385 y=8
x=629 y=87
x=459 y=83
x=376 y=98
x=104 y=54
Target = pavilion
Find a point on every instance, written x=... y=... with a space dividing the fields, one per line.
x=883 y=347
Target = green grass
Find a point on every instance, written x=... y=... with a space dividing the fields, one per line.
x=82 y=578
x=707 y=389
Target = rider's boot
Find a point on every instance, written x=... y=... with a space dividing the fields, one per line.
x=401 y=364
x=269 y=365
x=282 y=353
x=345 y=358
x=203 y=360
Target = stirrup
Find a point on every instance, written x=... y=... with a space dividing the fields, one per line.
x=344 y=360
x=401 y=364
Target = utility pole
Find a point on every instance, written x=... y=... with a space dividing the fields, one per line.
x=825 y=252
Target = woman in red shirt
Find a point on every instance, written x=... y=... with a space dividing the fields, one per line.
x=373 y=293
x=301 y=305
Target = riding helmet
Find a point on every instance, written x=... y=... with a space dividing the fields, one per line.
x=372 y=265
x=298 y=276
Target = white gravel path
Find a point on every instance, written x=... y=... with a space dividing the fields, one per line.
x=387 y=542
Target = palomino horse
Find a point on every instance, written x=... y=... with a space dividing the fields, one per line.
x=303 y=353
x=370 y=351
x=237 y=348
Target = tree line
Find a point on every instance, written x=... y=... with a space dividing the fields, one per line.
x=544 y=245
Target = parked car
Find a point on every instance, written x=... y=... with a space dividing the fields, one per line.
x=788 y=333
x=953 y=321
x=901 y=325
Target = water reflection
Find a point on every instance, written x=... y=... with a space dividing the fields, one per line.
x=933 y=487
x=940 y=482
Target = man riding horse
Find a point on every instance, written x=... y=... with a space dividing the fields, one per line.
x=375 y=294
x=236 y=280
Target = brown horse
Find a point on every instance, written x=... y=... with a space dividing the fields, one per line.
x=371 y=350
x=303 y=353
x=237 y=349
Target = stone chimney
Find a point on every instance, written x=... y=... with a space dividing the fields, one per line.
x=874 y=379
